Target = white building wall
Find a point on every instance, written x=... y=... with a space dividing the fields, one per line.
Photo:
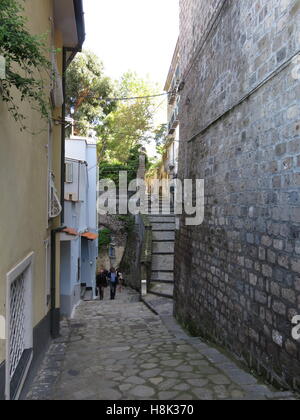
x=80 y=214
x=92 y=191
x=76 y=148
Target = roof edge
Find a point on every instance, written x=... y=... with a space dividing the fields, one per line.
x=80 y=24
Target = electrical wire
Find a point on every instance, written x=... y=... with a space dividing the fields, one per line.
x=75 y=123
x=128 y=98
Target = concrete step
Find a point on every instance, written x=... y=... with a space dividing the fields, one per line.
x=163 y=276
x=163 y=227
x=163 y=236
x=162 y=289
x=162 y=213
x=162 y=262
x=163 y=247
x=162 y=219
x=162 y=281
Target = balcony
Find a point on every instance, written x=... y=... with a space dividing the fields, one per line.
x=173 y=124
x=174 y=87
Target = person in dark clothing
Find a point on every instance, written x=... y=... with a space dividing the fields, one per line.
x=113 y=280
x=101 y=282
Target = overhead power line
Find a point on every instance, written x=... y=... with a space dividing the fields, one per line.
x=129 y=98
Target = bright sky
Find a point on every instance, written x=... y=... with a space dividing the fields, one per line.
x=138 y=35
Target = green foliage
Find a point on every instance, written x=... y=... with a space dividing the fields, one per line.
x=110 y=170
x=104 y=238
x=25 y=62
x=131 y=123
x=128 y=222
x=86 y=86
x=160 y=138
x=120 y=126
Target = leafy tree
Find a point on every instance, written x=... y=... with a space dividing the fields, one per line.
x=111 y=169
x=120 y=125
x=160 y=138
x=131 y=123
x=87 y=91
x=26 y=62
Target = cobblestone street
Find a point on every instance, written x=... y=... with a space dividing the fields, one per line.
x=122 y=351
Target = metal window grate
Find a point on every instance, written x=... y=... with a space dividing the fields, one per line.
x=17 y=322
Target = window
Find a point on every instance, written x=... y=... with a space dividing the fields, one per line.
x=19 y=341
x=69 y=173
x=112 y=252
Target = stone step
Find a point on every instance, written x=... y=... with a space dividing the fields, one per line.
x=163 y=236
x=162 y=219
x=162 y=275
x=162 y=289
x=163 y=227
x=160 y=206
x=162 y=281
x=160 y=200
x=162 y=262
x=162 y=213
x=163 y=247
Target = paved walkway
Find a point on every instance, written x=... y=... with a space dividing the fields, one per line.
x=122 y=351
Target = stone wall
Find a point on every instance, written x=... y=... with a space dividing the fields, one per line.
x=238 y=274
x=131 y=262
x=119 y=240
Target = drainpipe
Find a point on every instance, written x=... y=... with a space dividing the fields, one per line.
x=55 y=312
x=63 y=138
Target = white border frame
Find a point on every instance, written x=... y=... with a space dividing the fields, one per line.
x=26 y=266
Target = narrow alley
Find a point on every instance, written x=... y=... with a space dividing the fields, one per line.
x=122 y=351
x=150 y=201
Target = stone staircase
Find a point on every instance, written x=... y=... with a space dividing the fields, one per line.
x=163 y=243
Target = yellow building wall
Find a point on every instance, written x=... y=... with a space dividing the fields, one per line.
x=24 y=186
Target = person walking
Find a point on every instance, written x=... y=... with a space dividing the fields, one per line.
x=113 y=280
x=101 y=282
x=120 y=281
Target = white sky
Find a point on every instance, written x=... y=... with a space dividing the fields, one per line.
x=138 y=35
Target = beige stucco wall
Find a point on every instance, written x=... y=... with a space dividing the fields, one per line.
x=23 y=187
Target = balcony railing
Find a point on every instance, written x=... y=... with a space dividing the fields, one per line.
x=173 y=124
x=174 y=87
